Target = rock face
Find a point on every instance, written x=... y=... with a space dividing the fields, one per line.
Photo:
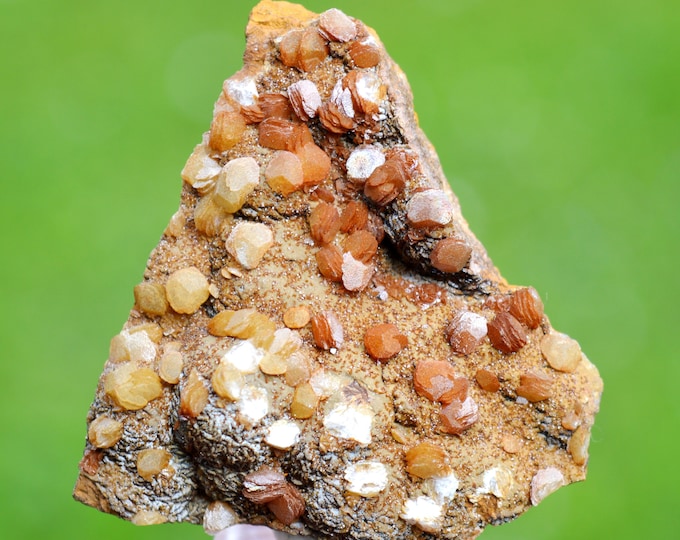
x=319 y=342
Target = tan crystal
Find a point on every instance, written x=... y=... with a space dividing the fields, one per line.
x=534 y=386
x=289 y=507
x=465 y=332
x=170 y=366
x=136 y=346
x=186 y=289
x=238 y=178
x=104 y=432
x=209 y=216
x=252 y=114
x=362 y=245
x=329 y=261
x=201 y=170
x=275 y=105
x=363 y=161
x=386 y=182
x=243 y=324
x=284 y=172
x=324 y=223
x=299 y=369
x=264 y=485
x=511 y=444
x=131 y=387
x=249 y=242
x=148 y=517
x=367 y=90
x=276 y=133
x=437 y=381
x=402 y=434
x=118 y=350
x=365 y=54
x=286 y=342
x=151 y=461
x=194 y=395
x=153 y=332
x=303 y=49
x=334 y=118
x=227 y=381
x=90 y=462
x=150 y=298
x=545 y=482
x=427 y=460
x=355 y=274
x=354 y=217
x=571 y=420
x=578 y=445
x=296 y=317
x=289 y=47
x=226 y=130
x=316 y=164
x=304 y=401
x=218 y=516
x=312 y=51
x=560 y=351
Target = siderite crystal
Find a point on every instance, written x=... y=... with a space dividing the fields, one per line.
x=320 y=343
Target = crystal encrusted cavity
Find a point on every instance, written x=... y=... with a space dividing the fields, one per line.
x=319 y=342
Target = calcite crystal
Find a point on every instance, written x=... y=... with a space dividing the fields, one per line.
x=319 y=342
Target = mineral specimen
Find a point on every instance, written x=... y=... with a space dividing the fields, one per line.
x=319 y=342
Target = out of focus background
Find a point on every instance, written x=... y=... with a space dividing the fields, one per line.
x=558 y=126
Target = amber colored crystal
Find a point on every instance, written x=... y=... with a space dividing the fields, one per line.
x=384 y=341
x=507 y=334
x=426 y=460
x=329 y=260
x=526 y=306
x=324 y=223
x=437 y=381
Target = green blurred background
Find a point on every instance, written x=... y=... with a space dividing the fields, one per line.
x=557 y=123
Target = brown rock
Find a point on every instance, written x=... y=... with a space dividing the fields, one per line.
x=219 y=357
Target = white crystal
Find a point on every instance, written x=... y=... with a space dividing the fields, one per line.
x=369 y=87
x=472 y=323
x=242 y=89
x=424 y=513
x=545 y=482
x=363 y=161
x=253 y=404
x=498 y=481
x=325 y=383
x=366 y=478
x=355 y=275
x=443 y=488
x=350 y=421
x=140 y=346
x=218 y=516
x=244 y=356
x=282 y=434
x=342 y=97
x=248 y=242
